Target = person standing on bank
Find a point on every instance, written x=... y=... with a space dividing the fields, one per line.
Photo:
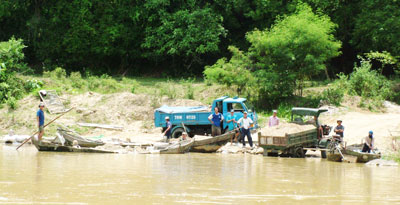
x=369 y=142
x=40 y=120
x=273 y=120
x=216 y=118
x=168 y=128
x=245 y=123
x=231 y=122
x=339 y=129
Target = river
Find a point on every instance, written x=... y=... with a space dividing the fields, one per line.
x=29 y=176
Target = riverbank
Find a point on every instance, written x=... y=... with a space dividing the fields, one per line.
x=130 y=103
x=135 y=114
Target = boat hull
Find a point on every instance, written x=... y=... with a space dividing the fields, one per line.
x=83 y=142
x=211 y=144
x=50 y=147
x=178 y=148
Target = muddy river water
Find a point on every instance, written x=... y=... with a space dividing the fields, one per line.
x=29 y=176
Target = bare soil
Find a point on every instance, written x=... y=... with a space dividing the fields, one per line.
x=134 y=112
x=359 y=122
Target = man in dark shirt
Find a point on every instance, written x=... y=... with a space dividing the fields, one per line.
x=40 y=120
x=339 y=129
x=168 y=128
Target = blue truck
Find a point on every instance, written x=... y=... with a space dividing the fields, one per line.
x=195 y=119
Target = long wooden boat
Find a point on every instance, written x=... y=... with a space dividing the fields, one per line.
x=70 y=136
x=362 y=157
x=178 y=147
x=211 y=144
x=53 y=147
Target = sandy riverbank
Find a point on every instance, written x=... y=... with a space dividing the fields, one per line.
x=136 y=114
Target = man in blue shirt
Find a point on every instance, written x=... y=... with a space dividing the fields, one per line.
x=231 y=120
x=168 y=127
x=216 y=118
x=40 y=120
x=232 y=124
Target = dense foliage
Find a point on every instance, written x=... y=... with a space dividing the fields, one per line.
x=13 y=88
x=164 y=37
x=281 y=58
x=370 y=85
x=11 y=54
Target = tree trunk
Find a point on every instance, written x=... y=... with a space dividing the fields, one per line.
x=327 y=74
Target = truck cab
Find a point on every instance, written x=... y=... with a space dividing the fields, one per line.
x=195 y=119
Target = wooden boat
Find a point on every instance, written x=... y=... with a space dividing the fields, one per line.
x=70 y=136
x=178 y=147
x=211 y=144
x=46 y=146
x=362 y=157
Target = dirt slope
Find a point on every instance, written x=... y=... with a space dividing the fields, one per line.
x=134 y=112
x=358 y=124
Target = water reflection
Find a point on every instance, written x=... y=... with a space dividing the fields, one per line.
x=29 y=176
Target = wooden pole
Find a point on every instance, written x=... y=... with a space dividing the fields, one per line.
x=185 y=130
x=43 y=127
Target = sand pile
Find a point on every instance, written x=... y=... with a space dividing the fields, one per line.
x=285 y=128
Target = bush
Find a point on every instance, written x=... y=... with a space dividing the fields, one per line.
x=10 y=85
x=12 y=56
x=333 y=96
x=167 y=89
x=33 y=84
x=12 y=103
x=103 y=84
x=134 y=85
x=188 y=84
x=368 y=83
x=371 y=86
x=284 y=111
x=76 y=80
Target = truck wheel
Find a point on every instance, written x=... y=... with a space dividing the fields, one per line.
x=298 y=152
x=323 y=154
x=177 y=132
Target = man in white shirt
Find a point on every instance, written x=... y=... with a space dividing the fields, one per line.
x=245 y=124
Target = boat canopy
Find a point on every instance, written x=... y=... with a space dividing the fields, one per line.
x=307 y=111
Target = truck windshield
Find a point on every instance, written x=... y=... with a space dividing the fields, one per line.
x=248 y=106
x=237 y=107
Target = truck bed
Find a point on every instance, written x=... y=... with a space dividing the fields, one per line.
x=303 y=139
x=194 y=118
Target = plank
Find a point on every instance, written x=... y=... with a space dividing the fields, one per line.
x=113 y=127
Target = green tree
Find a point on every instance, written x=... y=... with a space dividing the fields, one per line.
x=181 y=29
x=377 y=27
x=233 y=73
x=295 y=48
